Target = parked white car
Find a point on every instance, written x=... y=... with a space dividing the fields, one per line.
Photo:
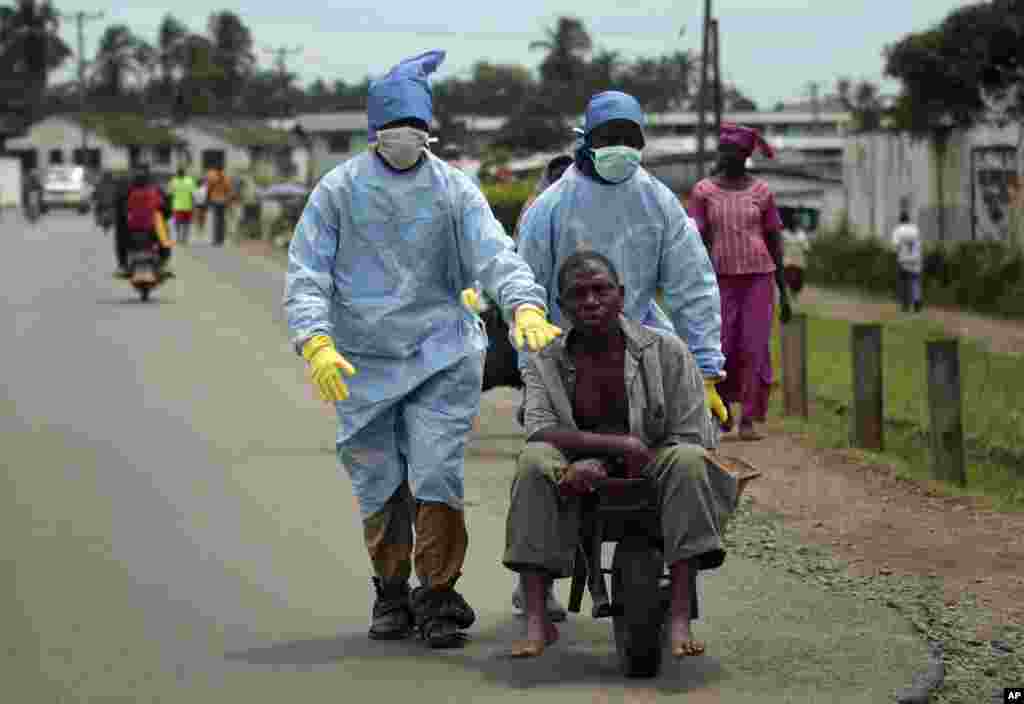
x=67 y=187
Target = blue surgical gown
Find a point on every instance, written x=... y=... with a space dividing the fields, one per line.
x=378 y=261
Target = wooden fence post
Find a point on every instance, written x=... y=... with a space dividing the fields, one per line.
x=866 y=417
x=794 y=366
x=945 y=411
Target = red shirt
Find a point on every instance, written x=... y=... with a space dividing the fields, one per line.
x=739 y=222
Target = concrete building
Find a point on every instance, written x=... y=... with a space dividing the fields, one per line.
x=240 y=147
x=112 y=142
x=327 y=138
x=961 y=193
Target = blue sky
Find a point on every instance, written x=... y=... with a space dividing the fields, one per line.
x=771 y=50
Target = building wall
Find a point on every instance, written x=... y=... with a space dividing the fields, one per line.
x=882 y=172
x=64 y=135
x=235 y=158
x=324 y=159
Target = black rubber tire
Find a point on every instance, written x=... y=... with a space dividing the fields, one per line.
x=144 y=293
x=638 y=609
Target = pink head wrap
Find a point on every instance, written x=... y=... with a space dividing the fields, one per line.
x=745 y=138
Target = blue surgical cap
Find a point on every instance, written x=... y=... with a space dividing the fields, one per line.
x=612 y=105
x=403 y=93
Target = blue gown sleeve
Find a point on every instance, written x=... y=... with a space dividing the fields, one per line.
x=309 y=284
x=493 y=261
x=535 y=247
x=688 y=281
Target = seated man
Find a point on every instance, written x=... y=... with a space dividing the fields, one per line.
x=612 y=393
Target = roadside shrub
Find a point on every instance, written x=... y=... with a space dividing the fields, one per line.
x=507 y=200
x=987 y=277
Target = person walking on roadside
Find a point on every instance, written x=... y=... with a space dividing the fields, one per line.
x=219 y=193
x=182 y=188
x=906 y=238
x=740 y=225
x=385 y=245
x=794 y=252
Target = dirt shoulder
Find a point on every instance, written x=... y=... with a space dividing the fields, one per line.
x=1001 y=336
x=880 y=524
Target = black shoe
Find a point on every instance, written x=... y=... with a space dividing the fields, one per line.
x=392 y=612
x=440 y=614
x=917 y=307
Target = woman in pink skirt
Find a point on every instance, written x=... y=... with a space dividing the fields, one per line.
x=741 y=227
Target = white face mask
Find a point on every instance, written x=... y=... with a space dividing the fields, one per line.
x=401 y=146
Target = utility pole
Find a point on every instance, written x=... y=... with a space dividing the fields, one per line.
x=281 y=55
x=715 y=42
x=703 y=90
x=80 y=19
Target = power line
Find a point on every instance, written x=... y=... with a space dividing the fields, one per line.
x=80 y=19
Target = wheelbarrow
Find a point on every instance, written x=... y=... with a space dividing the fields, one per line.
x=625 y=511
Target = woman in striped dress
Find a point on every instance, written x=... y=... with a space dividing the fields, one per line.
x=741 y=227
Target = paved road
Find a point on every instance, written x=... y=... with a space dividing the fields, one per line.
x=173 y=526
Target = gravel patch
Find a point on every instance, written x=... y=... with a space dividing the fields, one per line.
x=963 y=667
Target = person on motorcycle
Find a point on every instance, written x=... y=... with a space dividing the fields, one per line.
x=589 y=417
x=384 y=246
x=138 y=204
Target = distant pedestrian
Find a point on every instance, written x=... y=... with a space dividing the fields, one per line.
x=794 y=251
x=219 y=194
x=740 y=225
x=182 y=189
x=906 y=238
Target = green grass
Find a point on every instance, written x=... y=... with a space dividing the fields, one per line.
x=992 y=388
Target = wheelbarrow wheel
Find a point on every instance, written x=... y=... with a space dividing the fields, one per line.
x=638 y=607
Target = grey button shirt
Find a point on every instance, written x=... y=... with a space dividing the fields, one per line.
x=663 y=383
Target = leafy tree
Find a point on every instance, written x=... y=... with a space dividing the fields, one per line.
x=863 y=100
x=120 y=57
x=30 y=49
x=233 y=52
x=171 y=45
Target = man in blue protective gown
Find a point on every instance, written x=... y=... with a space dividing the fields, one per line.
x=607 y=202
x=385 y=245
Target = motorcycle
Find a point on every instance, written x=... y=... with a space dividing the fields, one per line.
x=145 y=264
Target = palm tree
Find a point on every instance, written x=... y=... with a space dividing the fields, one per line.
x=121 y=56
x=30 y=48
x=568 y=45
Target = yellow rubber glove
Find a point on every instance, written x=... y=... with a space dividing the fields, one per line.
x=471 y=299
x=326 y=367
x=715 y=403
x=532 y=329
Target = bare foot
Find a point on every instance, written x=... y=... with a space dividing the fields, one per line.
x=538 y=637
x=748 y=434
x=683 y=644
